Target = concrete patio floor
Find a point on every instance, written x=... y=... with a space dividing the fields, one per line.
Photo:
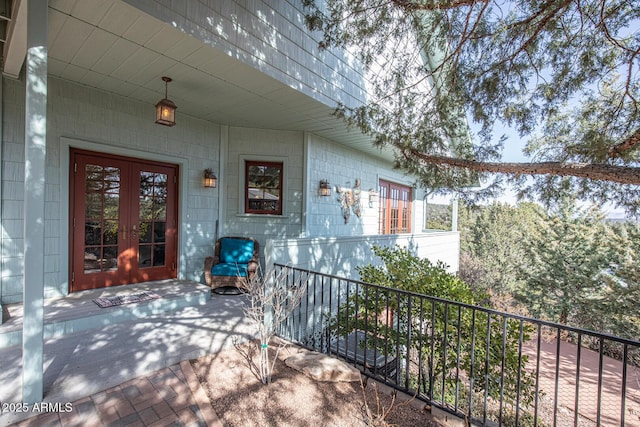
x=127 y=356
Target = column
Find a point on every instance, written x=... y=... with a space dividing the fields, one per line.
x=34 y=196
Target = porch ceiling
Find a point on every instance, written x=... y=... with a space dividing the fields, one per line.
x=112 y=46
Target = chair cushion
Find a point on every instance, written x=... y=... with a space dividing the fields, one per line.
x=236 y=250
x=229 y=269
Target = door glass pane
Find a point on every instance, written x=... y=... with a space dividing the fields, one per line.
x=160 y=185
x=111 y=205
x=146 y=207
x=92 y=233
x=144 y=254
x=93 y=205
x=92 y=260
x=110 y=258
x=112 y=179
x=146 y=183
x=159 y=231
x=160 y=209
x=153 y=215
x=110 y=233
x=145 y=232
x=158 y=255
x=102 y=211
x=93 y=176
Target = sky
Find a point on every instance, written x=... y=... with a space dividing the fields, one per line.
x=513 y=152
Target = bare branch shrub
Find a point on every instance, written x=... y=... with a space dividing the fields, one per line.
x=379 y=417
x=273 y=298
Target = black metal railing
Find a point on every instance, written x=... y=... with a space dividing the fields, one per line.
x=485 y=366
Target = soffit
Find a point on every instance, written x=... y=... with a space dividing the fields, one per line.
x=112 y=46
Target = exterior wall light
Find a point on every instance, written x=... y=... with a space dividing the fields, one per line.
x=210 y=180
x=373 y=197
x=165 y=108
x=325 y=188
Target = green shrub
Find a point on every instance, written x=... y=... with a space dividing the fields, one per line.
x=437 y=337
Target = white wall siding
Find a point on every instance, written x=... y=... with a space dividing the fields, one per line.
x=339 y=164
x=270 y=36
x=82 y=117
x=91 y=119
x=342 y=166
x=267 y=145
x=341 y=255
x=12 y=250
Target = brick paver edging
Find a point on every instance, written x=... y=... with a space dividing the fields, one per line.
x=208 y=414
x=170 y=396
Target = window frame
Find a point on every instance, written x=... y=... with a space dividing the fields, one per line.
x=403 y=203
x=245 y=188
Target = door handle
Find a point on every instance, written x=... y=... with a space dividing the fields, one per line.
x=134 y=230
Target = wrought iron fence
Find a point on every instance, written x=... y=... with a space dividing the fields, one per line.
x=485 y=366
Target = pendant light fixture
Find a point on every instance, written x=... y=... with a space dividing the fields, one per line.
x=165 y=108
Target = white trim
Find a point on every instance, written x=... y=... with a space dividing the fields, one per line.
x=35 y=147
x=15 y=46
x=222 y=180
x=241 y=181
x=454 y=213
x=256 y=215
x=306 y=180
x=1 y=169
x=396 y=180
x=65 y=148
x=425 y=213
x=414 y=198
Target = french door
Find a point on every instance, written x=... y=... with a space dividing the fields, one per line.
x=395 y=208
x=123 y=220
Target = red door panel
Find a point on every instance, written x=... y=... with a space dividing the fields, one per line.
x=123 y=224
x=395 y=208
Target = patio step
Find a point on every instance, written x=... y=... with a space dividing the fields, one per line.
x=78 y=312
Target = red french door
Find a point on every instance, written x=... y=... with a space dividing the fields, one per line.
x=123 y=221
x=395 y=208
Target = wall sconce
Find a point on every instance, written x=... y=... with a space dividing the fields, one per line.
x=165 y=108
x=210 y=180
x=325 y=188
x=373 y=197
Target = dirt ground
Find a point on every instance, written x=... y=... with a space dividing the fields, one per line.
x=293 y=399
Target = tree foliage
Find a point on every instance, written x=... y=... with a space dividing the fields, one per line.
x=565 y=72
x=567 y=265
x=446 y=343
x=492 y=246
x=562 y=263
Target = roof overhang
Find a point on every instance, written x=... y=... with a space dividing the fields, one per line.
x=112 y=46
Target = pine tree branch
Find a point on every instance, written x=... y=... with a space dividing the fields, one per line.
x=412 y=6
x=626 y=145
x=600 y=172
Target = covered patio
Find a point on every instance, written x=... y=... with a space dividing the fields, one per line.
x=135 y=340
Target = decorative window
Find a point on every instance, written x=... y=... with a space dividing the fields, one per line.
x=263 y=187
x=395 y=208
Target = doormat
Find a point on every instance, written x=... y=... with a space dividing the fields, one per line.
x=125 y=299
x=229 y=290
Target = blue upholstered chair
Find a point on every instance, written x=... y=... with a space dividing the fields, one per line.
x=235 y=261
